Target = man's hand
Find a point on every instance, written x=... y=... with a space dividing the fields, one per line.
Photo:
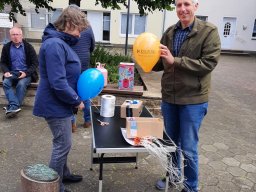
x=7 y=74
x=166 y=54
x=22 y=75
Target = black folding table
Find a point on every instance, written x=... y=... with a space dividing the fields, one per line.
x=108 y=139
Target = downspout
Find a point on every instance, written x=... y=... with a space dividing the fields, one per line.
x=163 y=28
x=127 y=27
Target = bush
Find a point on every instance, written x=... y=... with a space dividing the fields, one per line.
x=102 y=55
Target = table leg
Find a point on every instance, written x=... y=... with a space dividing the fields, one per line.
x=91 y=158
x=91 y=138
x=100 y=186
x=136 y=166
x=167 y=181
x=101 y=172
x=167 y=177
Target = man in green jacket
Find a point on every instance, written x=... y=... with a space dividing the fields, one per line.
x=190 y=51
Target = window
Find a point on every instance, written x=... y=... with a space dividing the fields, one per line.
x=227 y=28
x=41 y=19
x=5 y=26
x=203 y=18
x=106 y=26
x=254 y=30
x=137 y=24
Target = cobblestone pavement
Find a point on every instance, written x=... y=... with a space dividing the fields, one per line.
x=227 y=140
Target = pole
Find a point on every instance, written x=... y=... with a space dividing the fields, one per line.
x=127 y=27
x=163 y=29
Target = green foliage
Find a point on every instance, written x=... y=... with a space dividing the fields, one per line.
x=144 y=6
x=16 y=7
x=112 y=60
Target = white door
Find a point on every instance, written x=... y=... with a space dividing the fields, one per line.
x=228 y=32
x=96 y=20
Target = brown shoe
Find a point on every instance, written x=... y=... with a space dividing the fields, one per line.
x=73 y=127
x=87 y=124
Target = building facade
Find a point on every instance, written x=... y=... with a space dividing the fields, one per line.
x=236 y=22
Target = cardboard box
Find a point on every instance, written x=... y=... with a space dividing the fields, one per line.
x=126 y=76
x=144 y=126
x=131 y=108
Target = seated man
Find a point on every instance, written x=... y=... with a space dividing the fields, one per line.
x=19 y=64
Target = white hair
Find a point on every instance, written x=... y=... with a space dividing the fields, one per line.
x=193 y=1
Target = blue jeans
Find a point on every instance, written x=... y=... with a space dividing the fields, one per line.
x=182 y=123
x=15 y=98
x=61 y=131
x=87 y=105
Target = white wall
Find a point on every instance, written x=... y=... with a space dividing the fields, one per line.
x=243 y=11
x=216 y=10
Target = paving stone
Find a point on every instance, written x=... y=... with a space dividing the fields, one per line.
x=243 y=182
x=213 y=156
x=211 y=189
x=206 y=140
x=228 y=187
x=251 y=147
x=223 y=175
x=243 y=159
x=249 y=168
x=209 y=148
x=204 y=170
x=221 y=146
x=251 y=176
x=246 y=190
x=236 y=171
x=225 y=153
x=254 y=162
x=251 y=155
x=218 y=165
x=238 y=151
x=203 y=159
x=230 y=161
x=210 y=179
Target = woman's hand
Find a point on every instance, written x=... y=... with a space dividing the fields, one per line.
x=81 y=106
x=166 y=54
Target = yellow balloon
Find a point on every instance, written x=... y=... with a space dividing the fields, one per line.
x=146 y=50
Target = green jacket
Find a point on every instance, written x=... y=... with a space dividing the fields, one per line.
x=187 y=81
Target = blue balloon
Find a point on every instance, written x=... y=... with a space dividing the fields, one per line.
x=90 y=83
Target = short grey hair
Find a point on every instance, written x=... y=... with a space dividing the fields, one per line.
x=193 y=1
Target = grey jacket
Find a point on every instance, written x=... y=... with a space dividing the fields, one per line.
x=187 y=81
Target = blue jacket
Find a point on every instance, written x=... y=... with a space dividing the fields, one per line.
x=84 y=47
x=59 y=68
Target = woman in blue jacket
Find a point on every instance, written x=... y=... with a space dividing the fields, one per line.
x=56 y=96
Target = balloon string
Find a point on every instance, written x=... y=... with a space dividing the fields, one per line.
x=160 y=149
x=94 y=105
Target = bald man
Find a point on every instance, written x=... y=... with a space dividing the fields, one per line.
x=19 y=63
